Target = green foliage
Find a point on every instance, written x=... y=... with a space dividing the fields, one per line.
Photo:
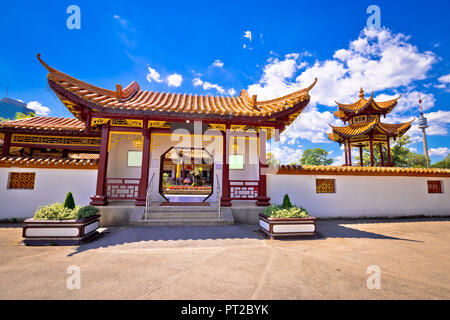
x=21 y=115
x=277 y=211
x=443 y=164
x=86 y=212
x=271 y=160
x=69 y=203
x=315 y=157
x=286 y=202
x=400 y=155
x=55 y=211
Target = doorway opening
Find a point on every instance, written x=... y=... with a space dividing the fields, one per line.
x=186 y=175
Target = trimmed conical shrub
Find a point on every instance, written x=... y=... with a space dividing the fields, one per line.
x=69 y=203
x=286 y=202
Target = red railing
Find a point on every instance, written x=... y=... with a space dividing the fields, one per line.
x=122 y=188
x=244 y=189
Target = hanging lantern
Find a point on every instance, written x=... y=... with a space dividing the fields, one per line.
x=235 y=145
x=137 y=143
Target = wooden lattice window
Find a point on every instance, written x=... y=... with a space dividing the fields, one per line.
x=21 y=180
x=325 y=186
x=434 y=186
x=359 y=119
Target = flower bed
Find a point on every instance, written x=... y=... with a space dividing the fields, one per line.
x=286 y=220
x=188 y=190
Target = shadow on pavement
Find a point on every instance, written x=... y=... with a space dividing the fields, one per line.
x=325 y=229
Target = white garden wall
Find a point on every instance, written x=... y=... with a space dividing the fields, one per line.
x=51 y=185
x=362 y=196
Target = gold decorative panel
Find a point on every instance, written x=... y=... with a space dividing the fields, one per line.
x=55 y=140
x=325 y=186
x=221 y=127
x=127 y=123
x=21 y=180
x=156 y=124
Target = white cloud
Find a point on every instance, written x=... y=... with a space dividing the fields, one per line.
x=275 y=81
x=442 y=151
x=174 y=80
x=212 y=86
x=38 y=108
x=122 y=22
x=153 y=75
x=445 y=79
x=285 y=154
x=311 y=125
x=231 y=92
x=248 y=35
x=207 y=85
x=217 y=63
x=377 y=60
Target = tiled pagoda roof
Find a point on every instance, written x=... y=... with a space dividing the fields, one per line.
x=357 y=129
x=376 y=107
x=134 y=101
x=50 y=124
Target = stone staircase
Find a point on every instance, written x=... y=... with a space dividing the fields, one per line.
x=183 y=215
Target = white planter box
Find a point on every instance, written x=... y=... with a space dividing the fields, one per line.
x=279 y=227
x=60 y=232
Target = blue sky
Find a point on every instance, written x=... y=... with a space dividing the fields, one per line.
x=269 y=48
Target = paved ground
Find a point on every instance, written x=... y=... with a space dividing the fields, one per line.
x=235 y=262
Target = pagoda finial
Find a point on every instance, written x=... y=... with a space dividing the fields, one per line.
x=361 y=93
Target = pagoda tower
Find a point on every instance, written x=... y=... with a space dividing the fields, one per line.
x=365 y=129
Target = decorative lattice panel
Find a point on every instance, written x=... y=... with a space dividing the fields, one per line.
x=21 y=180
x=245 y=190
x=434 y=186
x=55 y=140
x=122 y=188
x=325 y=186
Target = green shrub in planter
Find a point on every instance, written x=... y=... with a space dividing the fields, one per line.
x=277 y=211
x=87 y=211
x=69 y=203
x=286 y=202
x=55 y=211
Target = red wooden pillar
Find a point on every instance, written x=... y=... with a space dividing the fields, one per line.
x=6 y=144
x=381 y=155
x=361 y=161
x=225 y=201
x=349 y=153
x=346 y=153
x=143 y=183
x=371 y=151
x=390 y=164
x=100 y=195
x=262 y=199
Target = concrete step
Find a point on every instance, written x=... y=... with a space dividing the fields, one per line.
x=183 y=208
x=185 y=222
x=184 y=215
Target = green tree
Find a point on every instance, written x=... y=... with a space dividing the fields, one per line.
x=69 y=202
x=271 y=160
x=315 y=157
x=286 y=202
x=443 y=164
x=400 y=155
x=21 y=115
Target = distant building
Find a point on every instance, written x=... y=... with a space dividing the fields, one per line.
x=9 y=108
